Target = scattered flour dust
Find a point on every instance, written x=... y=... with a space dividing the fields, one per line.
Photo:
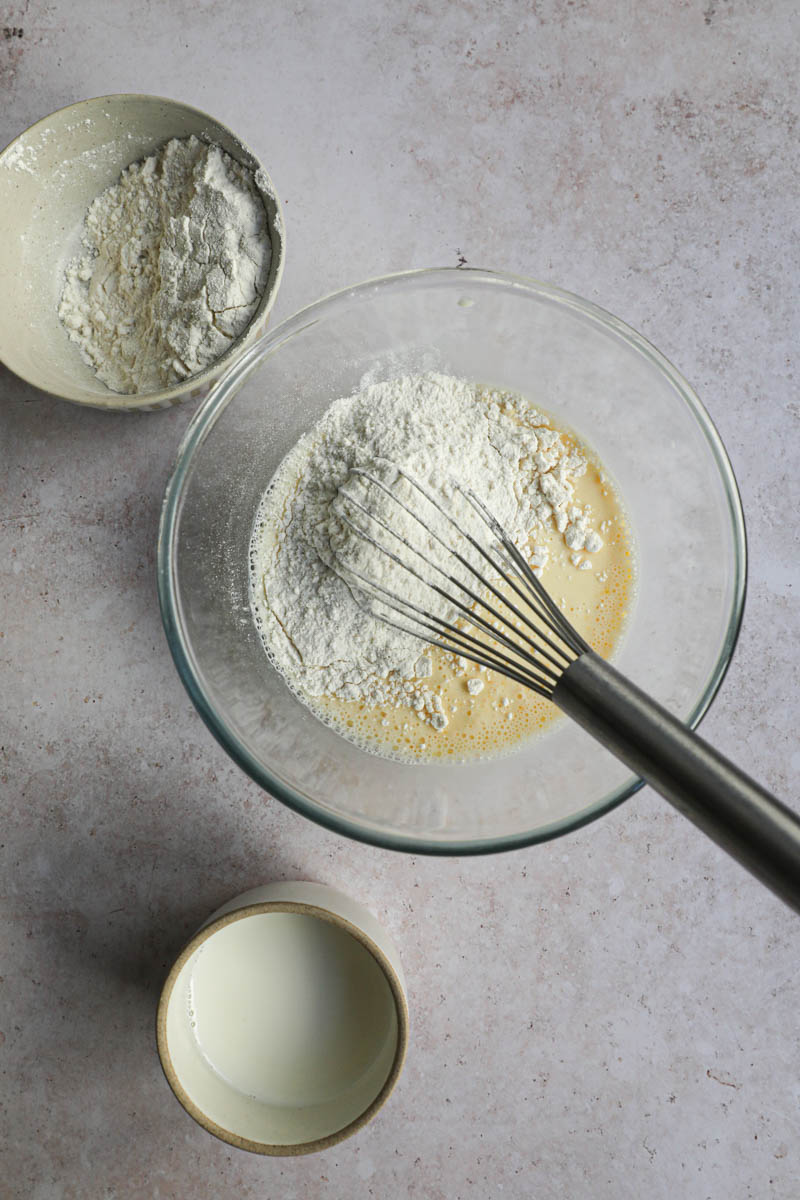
x=316 y=633
x=175 y=259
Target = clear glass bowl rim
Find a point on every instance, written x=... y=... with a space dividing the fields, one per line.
x=217 y=400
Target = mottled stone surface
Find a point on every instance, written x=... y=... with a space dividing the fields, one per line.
x=612 y=1015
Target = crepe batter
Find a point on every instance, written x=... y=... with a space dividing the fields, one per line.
x=386 y=691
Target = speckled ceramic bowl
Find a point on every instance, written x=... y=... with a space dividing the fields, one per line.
x=283 y=1025
x=49 y=176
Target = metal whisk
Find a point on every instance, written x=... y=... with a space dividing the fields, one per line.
x=519 y=631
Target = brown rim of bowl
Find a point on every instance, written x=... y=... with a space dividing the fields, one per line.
x=401 y=1009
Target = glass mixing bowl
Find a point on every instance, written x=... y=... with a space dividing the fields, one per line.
x=595 y=375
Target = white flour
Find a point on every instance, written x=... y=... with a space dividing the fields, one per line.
x=176 y=258
x=435 y=427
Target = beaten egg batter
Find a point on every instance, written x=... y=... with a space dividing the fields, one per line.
x=495 y=719
x=386 y=691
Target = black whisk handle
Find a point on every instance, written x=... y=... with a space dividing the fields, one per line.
x=736 y=812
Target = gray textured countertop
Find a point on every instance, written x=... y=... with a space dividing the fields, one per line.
x=613 y=1014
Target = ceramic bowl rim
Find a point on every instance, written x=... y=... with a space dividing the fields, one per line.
x=300 y=908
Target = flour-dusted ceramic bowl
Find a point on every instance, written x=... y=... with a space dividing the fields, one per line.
x=49 y=176
x=283 y=1025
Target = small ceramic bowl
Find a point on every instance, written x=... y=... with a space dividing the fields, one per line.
x=283 y=1025
x=49 y=176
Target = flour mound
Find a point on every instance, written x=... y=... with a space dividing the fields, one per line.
x=176 y=259
x=395 y=547
x=313 y=624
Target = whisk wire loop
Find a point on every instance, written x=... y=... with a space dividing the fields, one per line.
x=497 y=530
x=461 y=642
x=468 y=645
x=551 y=612
x=544 y=646
x=539 y=659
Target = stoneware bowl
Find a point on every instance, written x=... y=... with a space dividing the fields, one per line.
x=49 y=176
x=283 y=1025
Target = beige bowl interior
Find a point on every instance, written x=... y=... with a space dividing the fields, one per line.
x=48 y=178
